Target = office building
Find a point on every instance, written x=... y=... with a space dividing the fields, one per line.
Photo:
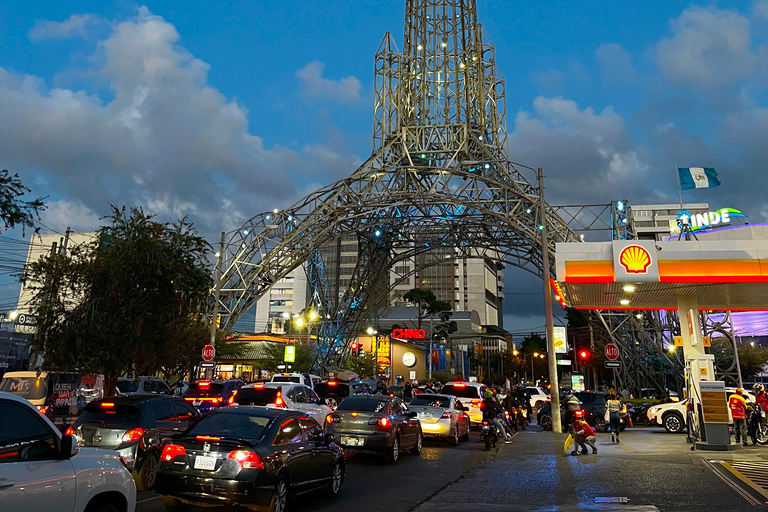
x=287 y=297
x=654 y=221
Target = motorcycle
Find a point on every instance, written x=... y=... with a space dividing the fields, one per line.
x=758 y=429
x=488 y=434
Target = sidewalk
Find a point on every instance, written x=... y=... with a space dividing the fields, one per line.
x=653 y=469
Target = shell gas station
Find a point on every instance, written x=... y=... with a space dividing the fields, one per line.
x=683 y=275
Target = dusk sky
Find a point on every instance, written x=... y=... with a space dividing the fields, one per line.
x=221 y=110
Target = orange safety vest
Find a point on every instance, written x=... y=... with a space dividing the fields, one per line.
x=738 y=407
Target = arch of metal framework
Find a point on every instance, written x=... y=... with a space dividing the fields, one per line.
x=439 y=176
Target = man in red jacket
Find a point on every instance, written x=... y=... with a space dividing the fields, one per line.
x=583 y=435
x=739 y=413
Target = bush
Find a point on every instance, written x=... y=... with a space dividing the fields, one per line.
x=443 y=377
x=638 y=402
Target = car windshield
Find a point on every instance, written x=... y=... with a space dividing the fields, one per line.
x=533 y=391
x=116 y=416
x=256 y=396
x=205 y=388
x=363 y=404
x=127 y=386
x=231 y=424
x=30 y=388
x=461 y=391
x=325 y=388
x=286 y=378
x=432 y=401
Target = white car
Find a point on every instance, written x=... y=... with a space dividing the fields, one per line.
x=539 y=397
x=296 y=397
x=41 y=469
x=471 y=395
x=297 y=378
x=672 y=416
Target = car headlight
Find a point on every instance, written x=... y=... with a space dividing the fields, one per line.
x=653 y=410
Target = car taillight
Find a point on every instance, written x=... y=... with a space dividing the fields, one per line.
x=329 y=418
x=204 y=384
x=446 y=415
x=279 y=402
x=384 y=422
x=216 y=400
x=171 y=451
x=44 y=409
x=476 y=403
x=579 y=413
x=70 y=432
x=107 y=405
x=247 y=460
x=207 y=438
x=232 y=398
x=133 y=435
x=506 y=414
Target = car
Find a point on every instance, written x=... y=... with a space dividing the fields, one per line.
x=296 y=397
x=539 y=397
x=471 y=395
x=207 y=395
x=256 y=457
x=334 y=391
x=43 y=469
x=672 y=416
x=134 y=426
x=57 y=395
x=297 y=378
x=143 y=386
x=377 y=424
x=441 y=416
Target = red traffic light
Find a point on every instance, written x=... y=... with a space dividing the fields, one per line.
x=354 y=346
x=584 y=354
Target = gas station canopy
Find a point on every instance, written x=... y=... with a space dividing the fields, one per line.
x=646 y=274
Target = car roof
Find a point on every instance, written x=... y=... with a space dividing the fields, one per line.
x=473 y=384
x=433 y=395
x=257 y=410
x=271 y=385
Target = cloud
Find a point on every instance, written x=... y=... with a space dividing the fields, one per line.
x=710 y=47
x=166 y=139
x=74 y=26
x=616 y=63
x=760 y=9
x=314 y=85
x=62 y=214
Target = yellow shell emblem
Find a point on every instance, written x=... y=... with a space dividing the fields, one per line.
x=635 y=259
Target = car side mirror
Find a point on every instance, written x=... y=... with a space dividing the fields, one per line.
x=69 y=447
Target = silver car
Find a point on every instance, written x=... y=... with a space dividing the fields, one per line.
x=442 y=416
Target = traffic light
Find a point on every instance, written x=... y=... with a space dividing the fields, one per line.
x=584 y=355
x=355 y=347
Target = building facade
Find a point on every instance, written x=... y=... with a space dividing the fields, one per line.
x=275 y=309
x=654 y=221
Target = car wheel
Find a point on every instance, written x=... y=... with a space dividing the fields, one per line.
x=539 y=404
x=332 y=402
x=465 y=437
x=416 y=450
x=546 y=422
x=337 y=477
x=673 y=423
x=394 y=451
x=762 y=435
x=147 y=475
x=174 y=505
x=455 y=437
x=280 y=496
x=600 y=424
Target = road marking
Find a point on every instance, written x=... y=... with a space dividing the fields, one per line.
x=730 y=483
x=754 y=474
x=148 y=499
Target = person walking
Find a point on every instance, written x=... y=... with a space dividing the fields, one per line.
x=613 y=407
x=407 y=392
x=583 y=435
x=738 y=408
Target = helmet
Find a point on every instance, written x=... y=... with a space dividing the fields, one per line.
x=739 y=391
x=758 y=387
x=488 y=393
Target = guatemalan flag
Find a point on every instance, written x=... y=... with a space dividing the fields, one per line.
x=697 y=177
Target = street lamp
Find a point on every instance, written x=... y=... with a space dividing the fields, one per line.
x=313 y=315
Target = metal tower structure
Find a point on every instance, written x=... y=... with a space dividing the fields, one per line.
x=439 y=176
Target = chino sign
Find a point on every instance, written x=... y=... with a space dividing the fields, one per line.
x=410 y=334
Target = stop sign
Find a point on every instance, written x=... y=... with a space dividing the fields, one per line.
x=611 y=351
x=209 y=352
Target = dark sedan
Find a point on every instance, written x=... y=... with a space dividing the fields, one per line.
x=248 y=456
x=134 y=425
x=376 y=424
x=207 y=395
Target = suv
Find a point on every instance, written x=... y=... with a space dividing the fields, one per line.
x=143 y=386
x=297 y=378
x=296 y=397
x=672 y=416
x=334 y=391
x=207 y=395
x=539 y=397
x=41 y=469
x=472 y=392
x=135 y=426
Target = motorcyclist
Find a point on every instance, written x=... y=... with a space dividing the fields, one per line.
x=381 y=388
x=491 y=411
x=761 y=407
x=524 y=398
x=511 y=406
x=571 y=403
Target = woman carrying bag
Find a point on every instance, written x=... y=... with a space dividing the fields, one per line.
x=613 y=417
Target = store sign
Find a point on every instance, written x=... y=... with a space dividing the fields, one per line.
x=409 y=359
x=696 y=222
x=635 y=261
x=561 y=340
x=411 y=334
x=290 y=354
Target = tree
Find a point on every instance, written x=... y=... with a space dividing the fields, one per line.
x=752 y=359
x=13 y=210
x=120 y=303
x=533 y=343
x=365 y=365
x=428 y=305
x=305 y=356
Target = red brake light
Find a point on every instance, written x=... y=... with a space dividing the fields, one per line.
x=579 y=413
x=279 y=400
x=232 y=398
x=384 y=422
x=133 y=435
x=258 y=386
x=329 y=418
x=204 y=384
x=333 y=383
x=70 y=432
x=207 y=438
x=247 y=460
x=477 y=403
x=446 y=415
x=44 y=409
x=460 y=385
x=216 y=400
x=171 y=451
x=354 y=414
x=107 y=404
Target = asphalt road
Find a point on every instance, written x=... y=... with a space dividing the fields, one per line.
x=371 y=484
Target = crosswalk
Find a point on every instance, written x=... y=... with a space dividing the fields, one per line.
x=754 y=474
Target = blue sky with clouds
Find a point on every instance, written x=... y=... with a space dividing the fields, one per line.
x=219 y=110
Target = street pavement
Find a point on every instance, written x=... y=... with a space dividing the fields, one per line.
x=650 y=470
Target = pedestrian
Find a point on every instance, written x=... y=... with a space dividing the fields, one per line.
x=739 y=412
x=625 y=393
x=613 y=411
x=407 y=392
x=583 y=435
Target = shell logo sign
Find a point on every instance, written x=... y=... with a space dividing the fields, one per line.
x=635 y=259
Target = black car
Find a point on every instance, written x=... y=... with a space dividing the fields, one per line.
x=376 y=424
x=134 y=425
x=334 y=391
x=208 y=395
x=248 y=456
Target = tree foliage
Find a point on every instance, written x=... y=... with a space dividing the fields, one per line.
x=13 y=210
x=305 y=358
x=752 y=359
x=130 y=301
x=365 y=365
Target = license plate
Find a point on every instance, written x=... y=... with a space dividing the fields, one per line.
x=352 y=441
x=196 y=403
x=208 y=463
x=425 y=416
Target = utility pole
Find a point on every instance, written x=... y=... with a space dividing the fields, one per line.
x=217 y=291
x=551 y=360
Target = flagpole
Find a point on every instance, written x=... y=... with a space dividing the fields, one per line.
x=679 y=186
